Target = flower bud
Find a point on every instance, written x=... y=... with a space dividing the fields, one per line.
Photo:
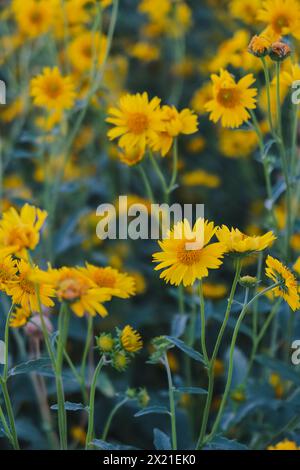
x=248 y=281
x=105 y=343
x=279 y=51
x=259 y=46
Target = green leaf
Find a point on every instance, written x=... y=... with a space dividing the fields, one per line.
x=152 y=410
x=161 y=440
x=71 y=406
x=222 y=443
x=186 y=349
x=284 y=370
x=103 y=445
x=40 y=366
x=191 y=390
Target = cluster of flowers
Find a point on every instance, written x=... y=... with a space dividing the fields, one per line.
x=84 y=289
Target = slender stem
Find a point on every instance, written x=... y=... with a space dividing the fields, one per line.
x=10 y=414
x=87 y=346
x=172 y=403
x=90 y=431
x=6 y=340
x=211 y=373
x=231 y=357
x=175 y=166
x=6 y=427
x=160 y=175
x=146 y=183
x=111 y=417
x=267 y=78
x=203 y=323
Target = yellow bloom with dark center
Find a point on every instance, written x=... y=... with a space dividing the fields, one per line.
x=285 y=445
x=289 y=289
x=53 y=91
x=237 y=242
x=19 y=317
x=135 y=121
x=116 y=283
x=79 y=291
x=34 y=17
x=186 y=254
x=201 y=178
x=30 y=282
x=231 y=100
x=131 y=340
x=282 y=17
x=8 y=271
x=86 y=49
x=21 y=231
x=237 y=143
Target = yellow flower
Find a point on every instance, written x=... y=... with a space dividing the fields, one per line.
x=145 y=51
x=52 y=91
x=118 y=284
x=131 y=340
x=8 y=271
x=237 y=242
x=259 y=46
x=231 y=100
x=78 y=434
x=297 y=266
x=201 y=97
x=185 y=258
x=277 y=384
x=82 y=295
x=23 y=289
x=105 y=342
x=175 y=123
x=214 y=291
x=237 y=143
x=288 y=289
x=281 y=16
x=201 y=178
x=196 y=145
x=136 y=120
x=34 y=17
x=218 y=368
x=131 y=156
x=245 y=10
x=19 y=317
x=86 y=48
x=285 y=445
x=21 y=231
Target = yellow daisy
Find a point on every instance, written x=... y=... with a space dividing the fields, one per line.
x=8 y=271
x=81 y=293
x=285 y=445
x=245 y=10
x=34 y=17
x=118 y=284
x=237 y=242
x=183 y=258
x=135 y=121
x=288 y=289
x=131 y=340
x=281 y=16
x=19 y=317
x=86 y=48
x=53 y=91
x=21 y=231
x=23 y=289
x=231 y=100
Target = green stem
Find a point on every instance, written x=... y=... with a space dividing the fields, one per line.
x=146 y=183
x=90 y=431
x=203 y=323
x=87 y=346
x=160 y=176
x=231 y=358
x=211 y=374
x=267 y=79
x=111 y=417
x=10 y=414
x=172 y=403
x=175 y=166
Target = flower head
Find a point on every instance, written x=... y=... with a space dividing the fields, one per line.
x=131 y=339
x=53 y=91
x=259 y=46
x=86 y=47
x=105 y=342
x=237 y=242
x=19 y=317
x=285 y=445
x=21 y=231
x=118 y=284
x=288 y=288
x=231 y=100
x=135 y=121
x=34 y=17
x=81 y=293
x=281 y=16
x=279 y=51
x=186 y=253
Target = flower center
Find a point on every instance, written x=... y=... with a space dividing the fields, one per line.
x=188 y=257
x=280 y=22
x=36 y=17
x=228 y=97
x=53 y=89
x=87 y=51
x=104 y=279
x=70 y=289
x=138 y=123
x=27 y=286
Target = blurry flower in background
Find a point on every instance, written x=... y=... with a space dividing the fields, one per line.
x=282 y=17
x=237 y=242
x=288 y=288
x=285 y=445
